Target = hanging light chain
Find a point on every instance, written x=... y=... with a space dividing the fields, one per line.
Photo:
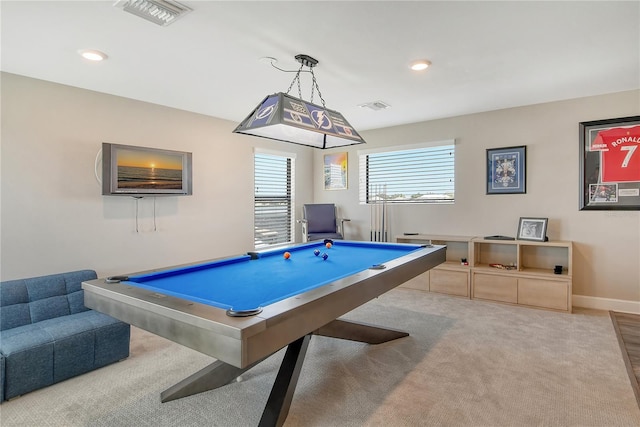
x=314 y=85
x=296 y=77
x=299 y=90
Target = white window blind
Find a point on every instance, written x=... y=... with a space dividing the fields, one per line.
x=273 y=199
x=413 y=174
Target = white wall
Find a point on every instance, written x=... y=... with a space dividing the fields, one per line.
x=54 y=218
x=607 y=243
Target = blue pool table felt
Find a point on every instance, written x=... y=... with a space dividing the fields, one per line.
x=243 y=283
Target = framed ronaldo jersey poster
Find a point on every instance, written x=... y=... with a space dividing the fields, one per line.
x=610 y=164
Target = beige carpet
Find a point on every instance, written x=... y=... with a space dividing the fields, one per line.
x=466 y=363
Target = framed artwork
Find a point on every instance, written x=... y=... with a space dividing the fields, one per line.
x=610 y=164
x=506 y=170
x=532 y=229
x=335 y=171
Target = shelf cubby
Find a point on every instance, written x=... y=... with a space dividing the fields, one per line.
x=451 y=277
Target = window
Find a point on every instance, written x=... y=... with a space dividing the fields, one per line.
x=421 y=173
x=273 y=198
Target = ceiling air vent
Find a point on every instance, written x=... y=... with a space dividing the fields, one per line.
x=375 y=105
x=161 y=12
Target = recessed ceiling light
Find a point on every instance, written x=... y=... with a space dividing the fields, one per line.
x=419 y=65
x=93 y=55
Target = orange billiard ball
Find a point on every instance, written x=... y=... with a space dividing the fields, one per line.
x=287 y=255
x=328 y=245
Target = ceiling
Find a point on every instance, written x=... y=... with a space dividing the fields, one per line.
x=485 y=55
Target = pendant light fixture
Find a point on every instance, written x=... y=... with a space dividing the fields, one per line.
x=283 y=117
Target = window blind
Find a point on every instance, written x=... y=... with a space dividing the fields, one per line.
x=411 y=175
x=273 y=199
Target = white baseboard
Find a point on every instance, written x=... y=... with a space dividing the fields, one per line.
x=621 y=305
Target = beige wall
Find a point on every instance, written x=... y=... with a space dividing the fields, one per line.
x=54 y=219
x=607 y=243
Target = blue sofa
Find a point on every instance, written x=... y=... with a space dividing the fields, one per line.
x=47 y=335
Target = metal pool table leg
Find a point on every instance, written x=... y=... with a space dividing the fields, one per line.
x=220 y=373
x=357 y=331
x=208 y=378
x=279 y=402
x=276 y=410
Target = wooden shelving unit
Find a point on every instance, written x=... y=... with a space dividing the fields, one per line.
x=526 y=278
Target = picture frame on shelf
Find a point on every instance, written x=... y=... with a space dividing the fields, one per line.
x=336 y=168
x=532 y=229
x=610 y=164
x=507 y=170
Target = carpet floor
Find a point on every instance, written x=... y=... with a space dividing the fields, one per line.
x=466 y=363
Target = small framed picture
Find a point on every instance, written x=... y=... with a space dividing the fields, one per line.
x=335 y=171
x=532 y=229
x=506 y=170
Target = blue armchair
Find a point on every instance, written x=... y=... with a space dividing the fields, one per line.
x=320 y=221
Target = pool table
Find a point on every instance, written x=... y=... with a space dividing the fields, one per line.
x=242 y=309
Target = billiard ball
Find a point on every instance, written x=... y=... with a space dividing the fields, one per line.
x=328 y=245
x=316 y=252
x=325 y=256
x=287 y=255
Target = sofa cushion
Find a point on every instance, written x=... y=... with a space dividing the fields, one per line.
x=14 y=316
x=45 y=286
x=48 y=297
x=73 y=355
x=85 y=341
x=76 y=302
x=14 y=305
x=28 y=352
x=13 y=292
x=112 y=339
x=61 y=327
x=23 y=337
x=73 y=280
x=73 y=340
x=75 y=294
x=49 y=308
